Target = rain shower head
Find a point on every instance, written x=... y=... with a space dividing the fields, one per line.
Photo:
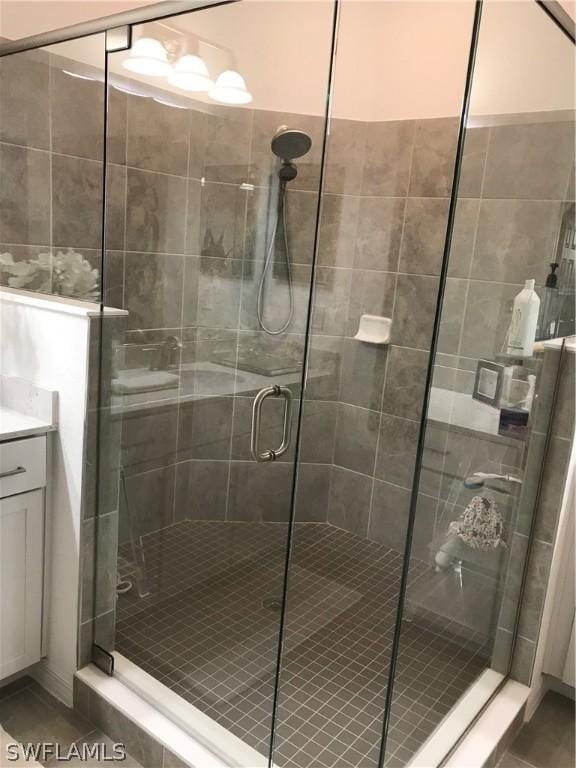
x=289 y=143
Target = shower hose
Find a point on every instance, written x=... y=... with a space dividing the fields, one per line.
x=280 y=220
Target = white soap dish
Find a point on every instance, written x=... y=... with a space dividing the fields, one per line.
x=374 y=329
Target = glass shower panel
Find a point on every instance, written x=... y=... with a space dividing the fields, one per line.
x=390 y=158
x=52 y=133
x=215 y=171
x=489 y=405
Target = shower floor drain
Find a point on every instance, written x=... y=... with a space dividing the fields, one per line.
x=273 y=603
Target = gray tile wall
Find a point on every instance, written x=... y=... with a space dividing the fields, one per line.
x=394 y=218
x=381 y=238
x=51 y=142
x=548 y=466
x=501 y=237
x=186 y=244
x=191 y=260
x=505 y=232
x=507 y=222
x=186 y=233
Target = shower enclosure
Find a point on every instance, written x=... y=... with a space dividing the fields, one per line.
x=316 y=230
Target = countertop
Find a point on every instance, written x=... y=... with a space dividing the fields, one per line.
x=462 y=410
x=25 y=409
x=14 y=424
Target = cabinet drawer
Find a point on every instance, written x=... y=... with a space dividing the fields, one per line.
x=22 y=465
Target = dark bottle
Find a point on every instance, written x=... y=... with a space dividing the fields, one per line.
x=549 y=307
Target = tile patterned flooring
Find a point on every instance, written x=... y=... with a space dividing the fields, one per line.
x=547 y=741
x=30 y=715
x=208 y=629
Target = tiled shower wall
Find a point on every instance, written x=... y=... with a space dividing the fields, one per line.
x=554 y=456
x=189 y=268
x=506 y=225
x=188 y=195
x=401 y=206
x=511 y=230
x=186 y=228
x=51 y=144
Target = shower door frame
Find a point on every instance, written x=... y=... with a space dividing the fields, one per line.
x=210 y=735
x=148 y=13
x=216 y=738
x=208 y=732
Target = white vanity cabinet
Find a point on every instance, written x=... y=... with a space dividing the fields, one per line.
x=22 y=511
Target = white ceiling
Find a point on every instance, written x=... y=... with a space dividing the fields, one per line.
x=22 y=18
x=397 y=59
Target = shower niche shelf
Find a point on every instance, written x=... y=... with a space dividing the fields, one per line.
x=374 y=329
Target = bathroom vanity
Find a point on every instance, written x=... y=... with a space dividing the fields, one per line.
x=27 y=416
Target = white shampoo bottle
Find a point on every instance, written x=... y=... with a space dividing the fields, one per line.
x=522 y=332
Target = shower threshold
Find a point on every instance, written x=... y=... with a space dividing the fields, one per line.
x=133 y=695
x=196 y=739
x=217 y=739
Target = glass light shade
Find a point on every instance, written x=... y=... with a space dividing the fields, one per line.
x=230 y=88
x=131 y=91
x=78 y=75
x=167 y=103
x=190 y=74
x=148 y=57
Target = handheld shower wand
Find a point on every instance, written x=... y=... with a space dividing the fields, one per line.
x=287 y=144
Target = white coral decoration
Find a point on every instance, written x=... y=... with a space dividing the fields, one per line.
x=66 y=274
x=72 y=275
x=33 y=274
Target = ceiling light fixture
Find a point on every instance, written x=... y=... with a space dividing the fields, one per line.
x=230 y=88
x=190 y=74
x=148 y=57
x=130 y=91
x=167 y=103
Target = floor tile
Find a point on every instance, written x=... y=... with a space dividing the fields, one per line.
x=32 y=715
x=547 y=741
x=204 y=620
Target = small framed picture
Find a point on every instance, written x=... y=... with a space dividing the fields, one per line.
x=489 y=382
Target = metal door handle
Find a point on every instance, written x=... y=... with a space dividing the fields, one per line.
x=11 y=472
x=271 y=454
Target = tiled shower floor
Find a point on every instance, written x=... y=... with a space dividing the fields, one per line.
x=209 y=631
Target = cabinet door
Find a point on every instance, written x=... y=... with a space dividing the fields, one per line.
x=21 y=578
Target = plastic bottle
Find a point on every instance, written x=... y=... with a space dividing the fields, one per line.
x=522 y=331
x=548 y=317
x=530 y=393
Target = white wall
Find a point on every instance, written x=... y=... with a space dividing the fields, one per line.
x=524 y=62
x=45 y=341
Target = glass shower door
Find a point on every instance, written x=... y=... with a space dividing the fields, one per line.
x=390 y=160
x=484 y=442
x=215 y=152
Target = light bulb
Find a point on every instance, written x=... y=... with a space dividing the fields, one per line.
x=148 y=57
x=230 y=88
x=190 y=74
